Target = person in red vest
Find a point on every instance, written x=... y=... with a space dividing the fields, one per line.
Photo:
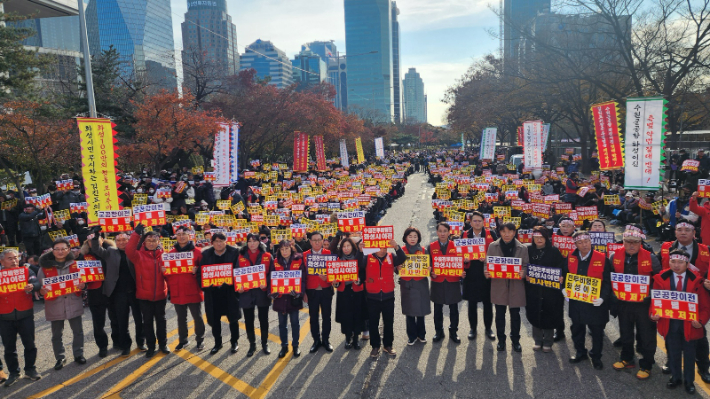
x=633 y=310
x=476 y=287
x=699 y=256
x=320 y=297
x=445 y=290
x=377 y=271
x=703 y=212
x=186 y=291
x=255 y=253
x=69 y=307
x=681 y=336
x=17 y=318
x=586 y=262
x=151 y=288
x=350 y=307
x=414 y=291
x=287 y=305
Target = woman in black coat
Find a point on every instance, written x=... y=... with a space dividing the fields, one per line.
x=350 y=308
x=287 y=305
x=544 y=305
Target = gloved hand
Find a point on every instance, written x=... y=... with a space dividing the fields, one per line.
x=95 y=231
x=273 y=295
x=139 y=229
x=598 y=302
x=294 y=294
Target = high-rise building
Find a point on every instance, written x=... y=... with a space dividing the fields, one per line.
x=309 y=69
x=209 y=41
x=396 y=75
x=337 y=70
x=517 y=14
x=268 y=61
x=368 y=38
x=142 y=33
x=414 y=98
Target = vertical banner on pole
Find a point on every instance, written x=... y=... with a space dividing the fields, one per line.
x=360 y=152
x=488 y=143
x=545 y=135
x=234 y=153
x=300 y=152
x=645 y=132
x=380 y=147
x=320 y=153
x=520 y=135
x=98 y=166
x=220 y=155
x=609 y=145
x=344 y=160
x=532 y=142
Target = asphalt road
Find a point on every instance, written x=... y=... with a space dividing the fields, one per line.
x=472 y=369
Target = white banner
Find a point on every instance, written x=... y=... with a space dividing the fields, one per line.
x=234 y=153
x=380 y=147
x=645 y=118
x=488 y=143
x=532 y=141
x=221 y=156
x=545 y=136
x=344 y=154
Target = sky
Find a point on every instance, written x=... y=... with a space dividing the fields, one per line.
x=440 y=38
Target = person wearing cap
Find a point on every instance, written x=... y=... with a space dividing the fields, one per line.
x=703 y=212
x=681 y=336
x=252 y=254
x=29 y=228
x=699 y=256
x=633 y=310
x=586 y=262
x=629 y=210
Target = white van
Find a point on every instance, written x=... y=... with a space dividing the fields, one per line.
x=516 y=159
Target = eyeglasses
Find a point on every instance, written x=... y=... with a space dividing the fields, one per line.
x=60 y=249
x=263 y=238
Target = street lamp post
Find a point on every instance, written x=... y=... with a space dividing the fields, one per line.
x=87 y=60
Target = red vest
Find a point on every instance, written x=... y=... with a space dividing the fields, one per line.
x=596 y=264
x=422 y=252
x=94 y=284
x=434 y=250
x=54 y=272
x=295 y=265
x=644 y=261
x=266 y=258
x=379 y=277
x=702 y=260
x=314 y=281
x=18 y=300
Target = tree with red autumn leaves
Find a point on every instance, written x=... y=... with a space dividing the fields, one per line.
x=30 y=140
x=166 y=125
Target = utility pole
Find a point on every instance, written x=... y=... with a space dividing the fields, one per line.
x=87 y=60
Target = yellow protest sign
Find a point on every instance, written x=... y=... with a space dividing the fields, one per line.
x=582 y=288
x=415 y=266
x=97 y=166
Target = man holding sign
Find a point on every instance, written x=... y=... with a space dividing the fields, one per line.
x=681 y=335
x=584 y=262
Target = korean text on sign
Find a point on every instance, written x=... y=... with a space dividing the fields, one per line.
x=415 y=266
x=471 y=248
x=216 y=275
x=544 y=276
x=582 y=288
x=630 y=287
x=115 y=221
x=342 y=271
x=600 y=239
x=378 y=236
x=90 y=270
x=178 y=262
x=448 y=266
x=13 y=280
x=317 y=263
x=287 y=281
x=149 y=215
x=564 y=244
x=674 y=305
x=506 y=268
x=61 y=285
x=247 y=278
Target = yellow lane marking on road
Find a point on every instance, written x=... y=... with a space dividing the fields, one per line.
x=661 y=343
x=83 y=375
x=216 y=372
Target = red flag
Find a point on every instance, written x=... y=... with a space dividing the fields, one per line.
x=320 y=153
x=300 y=152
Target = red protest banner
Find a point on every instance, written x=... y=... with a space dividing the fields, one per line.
x=149 y=215
x=377 y=236
x=13 y=280
x=115 y=221
x=541 y=210
x=564 y=244
x=674 y=305
x=61 y=285
x=250 y=277
x=630 y=287
x=504 y=268
x=342 y=270
x=471 y=248
x=178 y=262
x=448 y=266
x=286 y=281
x=90 y=270
x=563 y=208
x=351 y=222
x=690 y=165
x=587 y=212
x=300 y=152
x=606 y=126
x=216 y=275
x=320 y=153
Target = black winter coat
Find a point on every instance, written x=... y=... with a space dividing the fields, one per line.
x=223 y=300
x=544 y=305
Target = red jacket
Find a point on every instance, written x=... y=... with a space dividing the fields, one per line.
x=704 y=213
x=434 y=251
x=662 y=281
x=184 y=288
x=700 y=258
x=150 y=283
x=314 y=281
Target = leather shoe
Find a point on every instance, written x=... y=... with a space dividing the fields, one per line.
x=558 y=336
x=348 y=345
x=315 y=347
x=597 y=363
x=165 y=349
x=438 y=337
x=671 y=384
x=501 y=346
x=328 y=347
x=149 y=353
x=666 y=369
x=690 y=388
x=471 y=335
x=296 y=351
x=578 y=358
x=283 y=351
x=454 y=337
x=252 y=349
x=215 y=349
x=126 y=352
x=80 y=360
x=200 y=345
x=60 y=364
x=517 y=347
x=617 y=343
x=265 y=348
x=181 y=345
x=490 y=334
x=103 y=352
x=705 y=376
x=235 y=347
x=356 y=344
x=142 y=347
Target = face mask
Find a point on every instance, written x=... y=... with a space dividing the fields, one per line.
x=549 y=227
x=43 y=228
x=139 y=191
x=81 y=222
x=151 y=191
